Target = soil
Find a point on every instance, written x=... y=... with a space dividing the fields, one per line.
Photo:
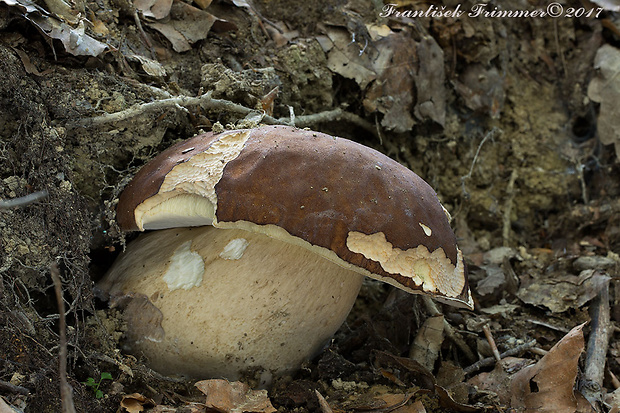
x=510 y=145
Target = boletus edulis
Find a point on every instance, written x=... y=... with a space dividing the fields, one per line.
x=260 y=241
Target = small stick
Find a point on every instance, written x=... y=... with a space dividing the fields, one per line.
x=491 y=340
x=66 y=391
x=207 y=102
x=10 y=387
x=510 y=192
x=24 y=200
x=143 y=34
x=489 y=361
x=538 y=351
x=598 y=342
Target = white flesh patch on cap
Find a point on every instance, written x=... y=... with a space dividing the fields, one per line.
x=193 y=183
x=433 y=271
x=426 y=229
x=234 y=249
x=185 y=270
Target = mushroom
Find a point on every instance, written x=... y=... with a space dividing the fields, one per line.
x=263 y=239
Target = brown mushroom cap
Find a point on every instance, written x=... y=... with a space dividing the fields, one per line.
x=347 y=202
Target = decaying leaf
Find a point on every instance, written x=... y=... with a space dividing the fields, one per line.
x=234 y=397
x=496 y=381
x=482 y=89
x=157 y=9
x=401 y=78
x=135 y=403
x=150 y=66
x=561 y=293
x=408 y=369
x=548 y=385
x=187 y=25
x=393 y=92
x=427 y=343
x=429 y=81
x=605 y=89
x=74 y=39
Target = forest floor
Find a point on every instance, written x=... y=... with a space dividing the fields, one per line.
x=512 y=120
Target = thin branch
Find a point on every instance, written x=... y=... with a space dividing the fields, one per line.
x=490 y=135
x=598 y=343
x=24 y=200
x=209 y=103
x=489 y=361
x=6 y=386
x=66 y=391
x=491 y=340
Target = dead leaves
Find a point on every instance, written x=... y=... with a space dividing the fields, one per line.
x=222 y=396
x=547 y=386
x=234 y=397
x=402 y=78
x=72 y=36
x=186 y=25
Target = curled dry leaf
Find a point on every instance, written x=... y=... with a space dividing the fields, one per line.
x=234 y=397
x=136 y=403
x=605 y=89
x=548 y=385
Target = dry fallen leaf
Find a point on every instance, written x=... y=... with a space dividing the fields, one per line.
x=562 y=292
x=136 y=403
x=427 y=343
x=482 y=89
x=75 y=39
x=157 y=9
x=547 y=386
x=401 y=77
x=234 y=397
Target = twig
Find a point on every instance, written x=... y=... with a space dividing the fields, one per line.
x=143 y=34
x=24 y=200
x=205 y=101
x=66 y=391
x=208 y=103
x=598 y=342
x=558 y=48
x=510 y=192
x=6 y=386
x=489 y=361
x=491 y=340
x=333 y=116
x=492 y=133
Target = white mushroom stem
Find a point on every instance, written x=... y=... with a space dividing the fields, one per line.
x=206 y=302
